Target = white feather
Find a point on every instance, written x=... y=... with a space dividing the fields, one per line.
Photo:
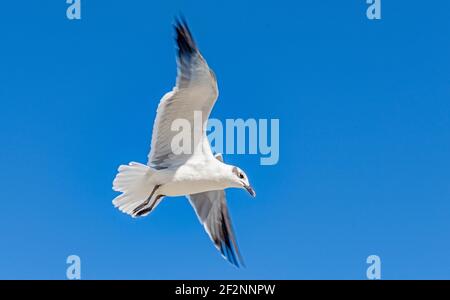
x=133 y=181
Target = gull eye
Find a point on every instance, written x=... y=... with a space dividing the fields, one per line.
x=241 y=176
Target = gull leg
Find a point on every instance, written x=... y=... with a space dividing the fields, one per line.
x=136 y=211
x=149 y=209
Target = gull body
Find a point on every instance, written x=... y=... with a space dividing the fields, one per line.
x=200 y=175
x=195 y=176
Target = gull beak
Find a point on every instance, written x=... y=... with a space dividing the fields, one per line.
x=250 y=190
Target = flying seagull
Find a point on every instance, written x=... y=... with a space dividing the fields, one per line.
x=200 y=175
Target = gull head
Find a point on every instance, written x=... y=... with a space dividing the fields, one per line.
x=240 y=180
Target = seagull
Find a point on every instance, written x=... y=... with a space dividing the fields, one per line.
x=200 y=175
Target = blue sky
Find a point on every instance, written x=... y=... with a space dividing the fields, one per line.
x=364 y=163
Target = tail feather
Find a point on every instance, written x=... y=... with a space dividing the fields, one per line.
x=133 y=180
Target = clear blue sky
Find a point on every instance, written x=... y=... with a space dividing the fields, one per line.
x=364 y=109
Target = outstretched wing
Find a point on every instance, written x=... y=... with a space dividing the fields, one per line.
x=212 y=211
x=195 y=91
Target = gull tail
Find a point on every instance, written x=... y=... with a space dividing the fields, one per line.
x=138 y=196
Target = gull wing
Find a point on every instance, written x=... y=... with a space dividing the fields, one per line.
x=211 y=209
x=195 y=90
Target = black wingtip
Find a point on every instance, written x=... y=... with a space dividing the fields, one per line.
x=232 y=257
x=184 y=39
x=228 y=246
